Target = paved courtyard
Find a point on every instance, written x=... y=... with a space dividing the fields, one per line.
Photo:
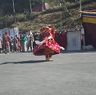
x=68 y=74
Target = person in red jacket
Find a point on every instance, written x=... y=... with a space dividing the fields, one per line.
x=6 y=42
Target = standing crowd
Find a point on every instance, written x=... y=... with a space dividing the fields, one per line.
x=18 y=43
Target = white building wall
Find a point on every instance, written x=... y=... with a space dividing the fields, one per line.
x=12 y=31
x=73 y=41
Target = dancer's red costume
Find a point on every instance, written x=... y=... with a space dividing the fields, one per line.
x=48 y=46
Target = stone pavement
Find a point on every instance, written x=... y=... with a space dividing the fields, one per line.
x=68 y=74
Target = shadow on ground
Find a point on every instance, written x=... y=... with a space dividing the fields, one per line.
x=25 y=62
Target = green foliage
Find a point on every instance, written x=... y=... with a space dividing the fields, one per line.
x=6 y=6
x=20 y=17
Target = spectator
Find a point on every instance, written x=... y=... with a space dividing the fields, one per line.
x=6 y=42
x=0 y=43
x=12 y=45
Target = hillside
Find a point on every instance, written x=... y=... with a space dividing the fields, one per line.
x=59 y=16
x=59 y=19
